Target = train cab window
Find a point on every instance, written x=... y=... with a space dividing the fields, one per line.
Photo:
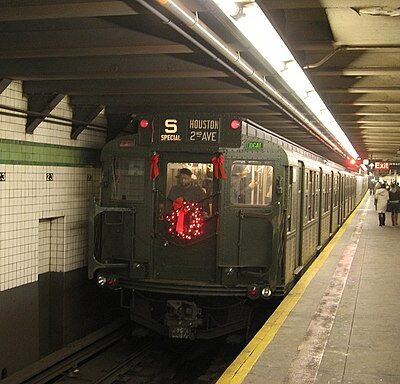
x=127 y=180
x=192 y=182
x=251 y=183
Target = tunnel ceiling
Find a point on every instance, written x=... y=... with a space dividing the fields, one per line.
x=121 y=56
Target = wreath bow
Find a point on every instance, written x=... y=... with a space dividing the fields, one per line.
x=179 y=206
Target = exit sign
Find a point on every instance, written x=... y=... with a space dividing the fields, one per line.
x=384 y=166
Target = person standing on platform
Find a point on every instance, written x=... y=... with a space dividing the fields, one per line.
x=381 y=198
x=394 y=202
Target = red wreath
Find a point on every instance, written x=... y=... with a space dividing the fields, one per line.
x=186 y=221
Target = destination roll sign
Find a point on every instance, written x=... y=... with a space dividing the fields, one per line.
x=190 y=130
x=186 y=129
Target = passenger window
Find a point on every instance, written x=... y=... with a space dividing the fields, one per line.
x=251 y=183
x=127 y=180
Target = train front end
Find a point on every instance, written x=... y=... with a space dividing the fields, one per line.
x=186 y=225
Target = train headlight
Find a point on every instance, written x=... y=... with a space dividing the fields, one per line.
x=101 y=280
x=266 y=292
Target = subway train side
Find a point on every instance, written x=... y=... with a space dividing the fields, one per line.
x=269 y=207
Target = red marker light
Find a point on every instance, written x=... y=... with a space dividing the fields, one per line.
x=235 y=124
x=112 y=281
x=253 y=293
x=352 y=162
x=144 y=123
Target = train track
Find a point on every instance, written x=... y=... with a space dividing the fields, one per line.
x=67 y=362
x=116 y=355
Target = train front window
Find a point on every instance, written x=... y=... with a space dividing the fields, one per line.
x=127 y=180
x=191 y=182
x=251 y=184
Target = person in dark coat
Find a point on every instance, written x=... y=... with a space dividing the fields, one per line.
x=187 y=190
x=394 y=202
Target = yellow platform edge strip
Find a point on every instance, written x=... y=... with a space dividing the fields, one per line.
x=241 y=366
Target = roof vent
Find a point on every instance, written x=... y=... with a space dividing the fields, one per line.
x=379 y=11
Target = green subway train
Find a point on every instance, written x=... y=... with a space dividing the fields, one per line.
x=203 y=218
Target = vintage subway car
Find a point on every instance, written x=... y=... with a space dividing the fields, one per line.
x=197 y=269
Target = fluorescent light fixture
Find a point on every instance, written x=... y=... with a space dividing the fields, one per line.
x=255 y=26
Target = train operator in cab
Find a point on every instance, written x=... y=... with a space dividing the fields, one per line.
x=186 y=190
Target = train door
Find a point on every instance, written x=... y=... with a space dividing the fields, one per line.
x=339 y=192
x=300 y=216
x=319 y=205
x=181 y=253
x=331 y=200
x=248 y=218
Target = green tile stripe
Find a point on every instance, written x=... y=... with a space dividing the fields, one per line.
x=28 y=153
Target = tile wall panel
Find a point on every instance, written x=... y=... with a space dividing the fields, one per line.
x=27 y=196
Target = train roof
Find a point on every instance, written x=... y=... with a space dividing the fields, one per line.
x=293 y=151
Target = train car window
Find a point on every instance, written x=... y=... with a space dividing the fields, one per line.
x=127 y=180
x=290 y=200
x=335 y=190
x=313 y=191
x=251 y=183
x=326 y=193
x=191 y=181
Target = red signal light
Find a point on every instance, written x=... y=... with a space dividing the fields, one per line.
x=235 y=124
x=144 y=123
x=352 y=162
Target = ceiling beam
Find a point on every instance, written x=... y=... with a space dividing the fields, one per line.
x=137 y=86
x=373 y=71
x=361 y=113
x=371 y=122
x=174 y=101
x=244 y=109
x=64 y=10
x=112 y=67
x=367 y=103
x=133 y=49
x=384 y=90
x=296 y=4
x=79 y=39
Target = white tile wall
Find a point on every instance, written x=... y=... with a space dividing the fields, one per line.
x=26 y=198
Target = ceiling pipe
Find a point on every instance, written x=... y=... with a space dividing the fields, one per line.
x=348 y=48
x=192 y=21
x=51 y=116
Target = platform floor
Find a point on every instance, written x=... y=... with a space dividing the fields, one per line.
x=341 y=323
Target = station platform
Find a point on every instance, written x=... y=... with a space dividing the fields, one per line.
x=341 y=322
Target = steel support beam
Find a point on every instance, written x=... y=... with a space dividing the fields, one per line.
x=43 y=104
x=4 y=83
x=85 y=113
x=117 y=123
